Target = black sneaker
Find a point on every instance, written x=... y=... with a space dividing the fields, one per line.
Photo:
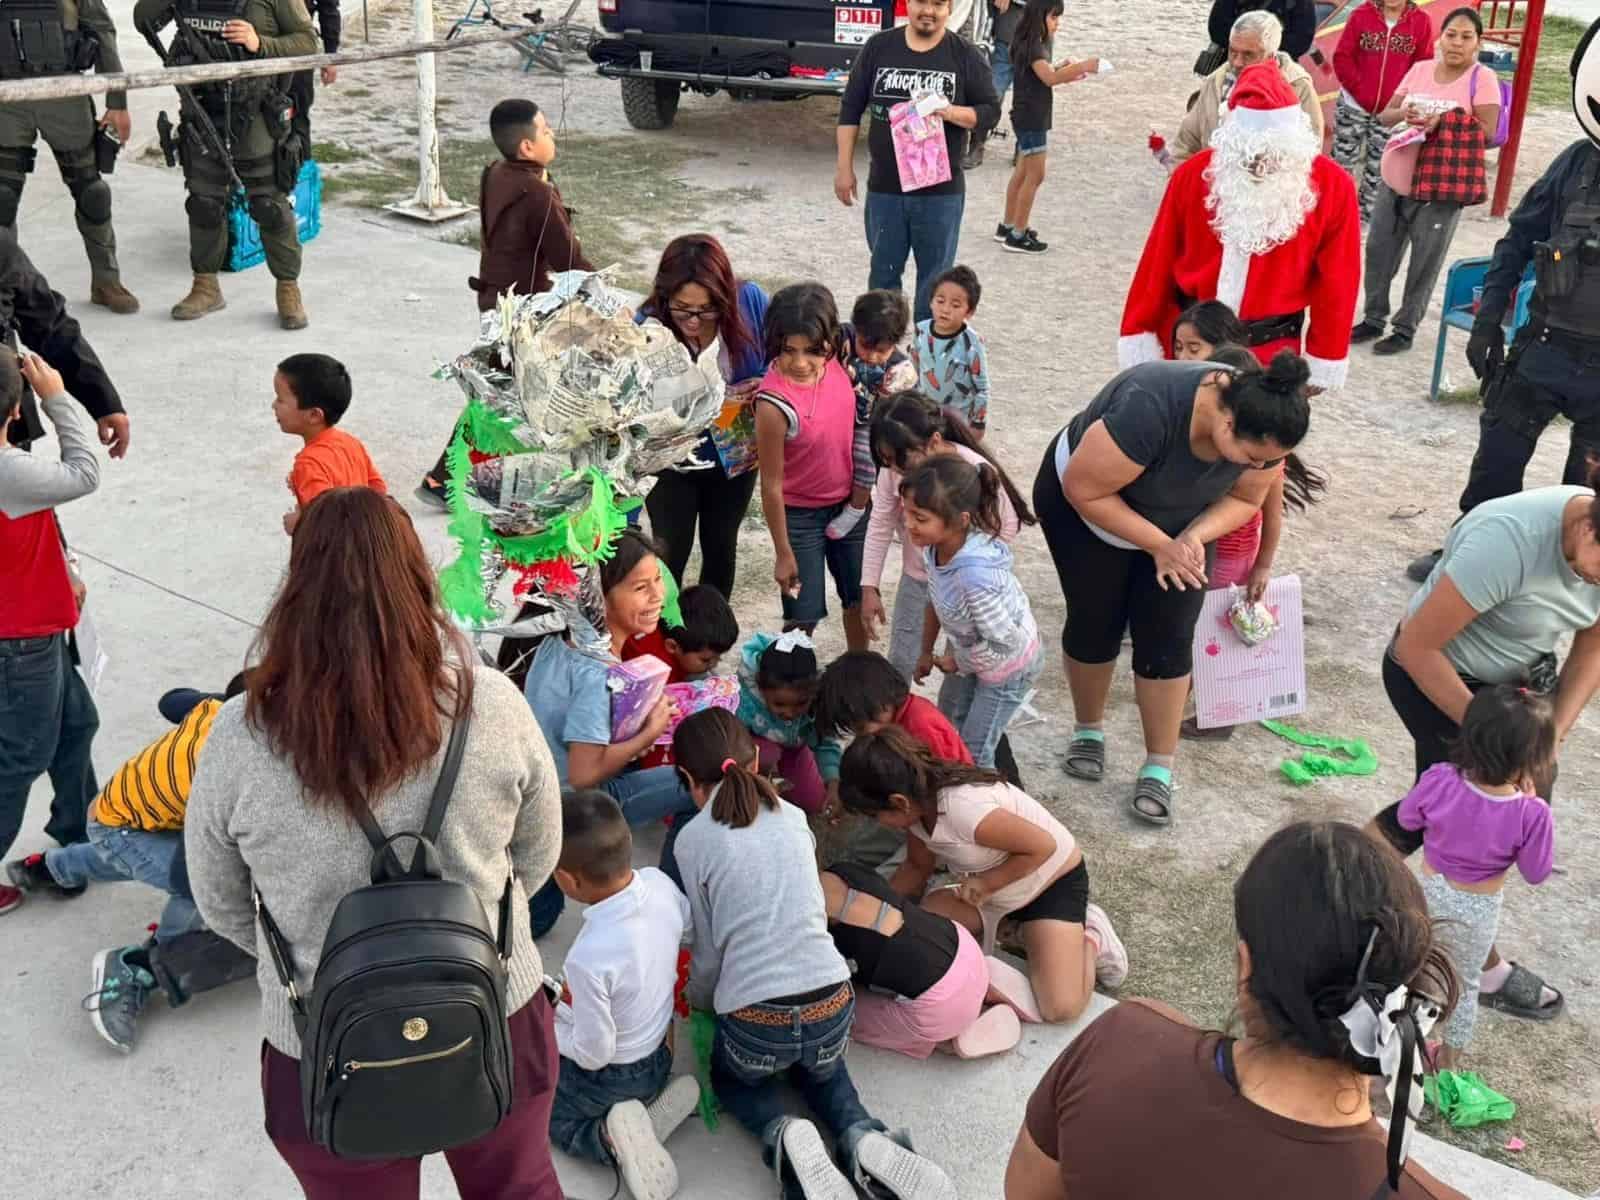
x=1002 y=231
x=1025 y=243
x=1395 y=343
x=1419 y=568
x=1366 y=331
x=31 y=875
x=973 y=159
x=432 y=494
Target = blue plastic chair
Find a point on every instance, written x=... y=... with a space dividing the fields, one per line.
x=1465 y=275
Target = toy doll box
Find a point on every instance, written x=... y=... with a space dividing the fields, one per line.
x=1235 y=683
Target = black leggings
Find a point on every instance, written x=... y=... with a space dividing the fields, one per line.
x=1110 y=590
x=679 y=499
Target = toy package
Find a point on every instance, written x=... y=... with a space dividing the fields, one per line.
x=697 y=695
x=920 y=150
x=635 y=687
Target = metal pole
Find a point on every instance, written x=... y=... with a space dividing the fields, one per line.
x=366 y=29
x=1527 y=54
x=430 y=203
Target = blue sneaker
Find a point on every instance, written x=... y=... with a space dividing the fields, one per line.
x=118 y=996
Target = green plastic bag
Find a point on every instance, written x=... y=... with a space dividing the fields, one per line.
x=1355 y=756
x=1466 y=1100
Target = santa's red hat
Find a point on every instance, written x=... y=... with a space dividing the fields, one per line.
x=1262 y=100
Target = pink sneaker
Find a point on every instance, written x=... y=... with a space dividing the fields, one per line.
x=10 y=898
x=1111 y=962
x=1010 y=987
x=995 y=1031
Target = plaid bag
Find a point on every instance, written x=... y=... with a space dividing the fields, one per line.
x=1450 y=164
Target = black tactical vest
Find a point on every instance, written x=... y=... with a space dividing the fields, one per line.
x=34 y=40
x=1567 y=292
x=199 y=36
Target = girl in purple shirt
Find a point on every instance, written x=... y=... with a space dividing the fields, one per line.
x=1478 y=815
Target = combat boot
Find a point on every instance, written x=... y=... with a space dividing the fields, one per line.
x=205 y=296
x=291 y=311
x=109 y=293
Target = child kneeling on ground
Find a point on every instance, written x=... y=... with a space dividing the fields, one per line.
x=1013 y=858
x=763 y=961
x=614 y=1030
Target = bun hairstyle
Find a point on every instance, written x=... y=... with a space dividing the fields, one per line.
x=803 y=310
x=891 y=762
x=782 y=666
x=952 y=488
x=1303 y=485
x=712 y=748
x=906 y=422
x=1508 y=732
x=1328 y=912
x=1271 y=403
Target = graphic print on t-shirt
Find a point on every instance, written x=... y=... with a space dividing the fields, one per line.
x=890 y=85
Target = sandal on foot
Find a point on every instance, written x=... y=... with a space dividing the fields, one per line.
x=1086 y=757
x=1519 y=996
x=996 y=1030
x=1010 y=987
x=1111 y=963
x=1152 y=799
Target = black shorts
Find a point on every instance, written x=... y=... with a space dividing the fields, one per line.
x=1067 y=899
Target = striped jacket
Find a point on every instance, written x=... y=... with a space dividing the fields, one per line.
x=151 y=791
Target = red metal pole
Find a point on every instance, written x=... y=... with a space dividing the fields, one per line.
x=1527 y=53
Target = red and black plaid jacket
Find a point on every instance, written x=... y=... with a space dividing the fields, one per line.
x=1450 y=164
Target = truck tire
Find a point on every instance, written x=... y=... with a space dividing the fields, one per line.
x=650 y=103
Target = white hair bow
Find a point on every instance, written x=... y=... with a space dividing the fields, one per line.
x=792 y=640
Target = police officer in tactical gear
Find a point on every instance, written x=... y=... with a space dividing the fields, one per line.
x=1553 y=367
x=254 y=119
x=62 y=37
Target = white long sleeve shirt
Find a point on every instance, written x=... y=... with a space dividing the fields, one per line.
x=622 y=970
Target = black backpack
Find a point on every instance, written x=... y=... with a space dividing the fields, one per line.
x=405 y=1048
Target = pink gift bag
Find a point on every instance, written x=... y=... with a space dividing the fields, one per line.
x=697 y=695
x=920 y=150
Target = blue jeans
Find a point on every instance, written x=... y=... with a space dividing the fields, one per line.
x=584 y=1097
x=816 y=556
x=898 y=227
x=747 y=1060
x=47 y=725
x=647 y=795
x=113 y=855
x=981 y=711
x=1000 y=64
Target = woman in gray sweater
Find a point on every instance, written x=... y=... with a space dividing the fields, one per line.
x=357 y=681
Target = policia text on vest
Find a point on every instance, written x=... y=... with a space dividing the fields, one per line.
x=255 y=119
x=60 y=37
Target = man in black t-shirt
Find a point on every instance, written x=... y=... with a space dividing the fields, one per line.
x=917 y=58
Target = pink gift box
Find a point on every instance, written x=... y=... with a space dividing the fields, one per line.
x=635 y=687
x=920 y=150
x=697 y=695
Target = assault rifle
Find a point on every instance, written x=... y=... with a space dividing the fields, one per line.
x=190 y=110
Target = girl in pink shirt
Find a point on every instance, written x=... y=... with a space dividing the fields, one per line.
x=805 y=429
x=1015 y=862
x=1479 y=815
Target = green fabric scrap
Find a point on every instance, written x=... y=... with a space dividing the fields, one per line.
x=461 y=583
x=1358 y=758
x=703 y=1036
x=1466 y=1100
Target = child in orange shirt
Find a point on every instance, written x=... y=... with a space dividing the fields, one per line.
x=310 y=395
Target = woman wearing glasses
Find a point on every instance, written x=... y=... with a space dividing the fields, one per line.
x=1131 y=495
x=697 y=296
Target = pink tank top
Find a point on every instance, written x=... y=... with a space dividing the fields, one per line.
x=817 y=449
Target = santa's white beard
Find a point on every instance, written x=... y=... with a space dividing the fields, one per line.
x=1254 y=213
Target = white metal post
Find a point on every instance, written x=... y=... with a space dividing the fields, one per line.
x=430 y=202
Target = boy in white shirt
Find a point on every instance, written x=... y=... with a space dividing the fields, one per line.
x=614 y=1024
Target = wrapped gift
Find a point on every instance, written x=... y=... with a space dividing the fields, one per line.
x=920 y=151
x=635 y=687
x=697 y=695
x=1251 y=620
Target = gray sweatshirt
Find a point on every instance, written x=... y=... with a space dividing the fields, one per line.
x=249 y=826
x=755 y=898
x=30 y=483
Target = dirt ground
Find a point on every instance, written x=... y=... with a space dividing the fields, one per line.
x=759 y=176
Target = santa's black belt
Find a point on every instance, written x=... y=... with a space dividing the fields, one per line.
x=1267 y=329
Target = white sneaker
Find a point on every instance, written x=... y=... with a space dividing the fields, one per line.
x=901 y=1172
x=1111 y=964
x=646 y=1167
x=800 y=1146
x=673 y=1107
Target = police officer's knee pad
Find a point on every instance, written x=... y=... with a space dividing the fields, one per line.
x=208 y=212
x=93 y=198
x=10 y=199
x=270 y=212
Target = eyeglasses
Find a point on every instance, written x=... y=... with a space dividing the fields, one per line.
x=692 y=314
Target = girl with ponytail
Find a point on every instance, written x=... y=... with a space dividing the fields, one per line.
x=765 y=964
x=992 y=656
x=906 y=429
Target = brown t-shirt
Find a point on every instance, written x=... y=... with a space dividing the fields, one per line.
x=1137 y=1107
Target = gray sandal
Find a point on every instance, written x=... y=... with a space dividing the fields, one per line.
x=1086 y=759
x=1150 y=793
x=1519 y=996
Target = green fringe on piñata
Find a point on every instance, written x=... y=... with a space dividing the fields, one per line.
x=703 y=1036
x=461 y=583
x=489 y=432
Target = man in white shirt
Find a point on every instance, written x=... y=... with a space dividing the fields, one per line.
x=614 y=1022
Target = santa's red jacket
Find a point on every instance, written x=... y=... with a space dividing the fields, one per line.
x=1318 y=271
